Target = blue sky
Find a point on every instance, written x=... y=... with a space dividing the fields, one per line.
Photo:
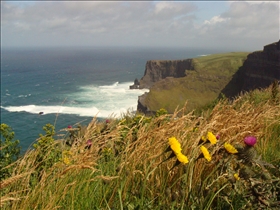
x=232 y=25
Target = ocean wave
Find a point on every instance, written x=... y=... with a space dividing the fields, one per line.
x=80 y=111
x=24 y=96
x=100 y=101
x=104 y=94
x=114 y=85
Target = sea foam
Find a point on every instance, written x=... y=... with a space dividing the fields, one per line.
x=100 y=101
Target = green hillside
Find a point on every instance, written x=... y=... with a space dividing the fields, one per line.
x=200 y=86
x=226 y=157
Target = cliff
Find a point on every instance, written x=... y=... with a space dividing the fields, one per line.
x=198 y=81
x=171 y=84
x=259 y=70
x=156 y=70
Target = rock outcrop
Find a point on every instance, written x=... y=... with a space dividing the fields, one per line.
x=261 y=68
x=159 y=69
x=141 y=106
x=135 y=85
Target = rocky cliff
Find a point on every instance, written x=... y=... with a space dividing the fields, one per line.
x=261 y=68
x=157 y=70
x=171 y=85
x=197 y=80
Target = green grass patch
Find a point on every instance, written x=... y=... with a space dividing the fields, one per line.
x=199 y=87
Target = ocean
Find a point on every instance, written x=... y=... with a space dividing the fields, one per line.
x=72 y=85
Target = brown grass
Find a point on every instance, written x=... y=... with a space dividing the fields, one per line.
x=141 y=167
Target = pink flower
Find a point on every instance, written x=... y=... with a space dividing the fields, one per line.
x=250 y=140
x=107 y=121
x=218 y=137
x=89 y=142
x=69 y=126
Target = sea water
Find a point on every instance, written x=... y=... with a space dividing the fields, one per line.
x=68 y=86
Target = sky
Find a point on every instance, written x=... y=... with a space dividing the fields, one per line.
x=228 y=25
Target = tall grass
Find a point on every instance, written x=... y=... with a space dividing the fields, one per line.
x=130 y=166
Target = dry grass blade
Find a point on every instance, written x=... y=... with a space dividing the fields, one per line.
x=75 y=167
x=12 y=179
x=4 y=200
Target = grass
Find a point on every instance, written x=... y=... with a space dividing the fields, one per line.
x=199 y=87
x=130 y=164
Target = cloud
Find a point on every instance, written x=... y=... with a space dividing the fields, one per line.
x=246 y=21
x=99 y=19
x=140 y=23
x=214 y=20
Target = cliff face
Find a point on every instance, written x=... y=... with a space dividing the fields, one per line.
x=261 y=68
x=198 y=81
x=171 y=84
x=156 y=70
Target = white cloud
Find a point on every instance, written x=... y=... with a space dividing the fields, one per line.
x=214 y=20
x=137 y=23
x=249 y=22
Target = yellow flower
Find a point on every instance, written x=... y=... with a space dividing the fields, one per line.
x=236 y=176
x=230 y=148
x=203 y=138
x=182 y=158
x=175 y=145
x=66 y=160
x=195 y=129
x=205 y=152
x=211 y=137
x=66 y=157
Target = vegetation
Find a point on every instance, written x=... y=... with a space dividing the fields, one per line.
x=195 y=160
x=9 y=150
x=200 y=86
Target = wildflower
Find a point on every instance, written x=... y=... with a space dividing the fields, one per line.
x=236 y=176
x=250 y=140
x=231 y=149
x=182 y=158
x=107 y=150
x=89 y=143
x=211 y=138
x=66 y=160
x=175 y=145
x=203 y=138
x=69 y=126
x=218 y=137
x=66 y=152
x=205 y=153
x=107 y=121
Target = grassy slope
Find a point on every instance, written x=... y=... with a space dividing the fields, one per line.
x=128 y=165
x=212 y=73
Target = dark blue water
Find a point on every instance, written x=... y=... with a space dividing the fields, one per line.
x=71 y=85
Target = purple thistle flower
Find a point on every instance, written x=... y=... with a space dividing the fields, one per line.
x=250 y=140
x=89 y=142
x=69 y=126
x=107 y=121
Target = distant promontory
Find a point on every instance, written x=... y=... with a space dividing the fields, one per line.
x=199 y=81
